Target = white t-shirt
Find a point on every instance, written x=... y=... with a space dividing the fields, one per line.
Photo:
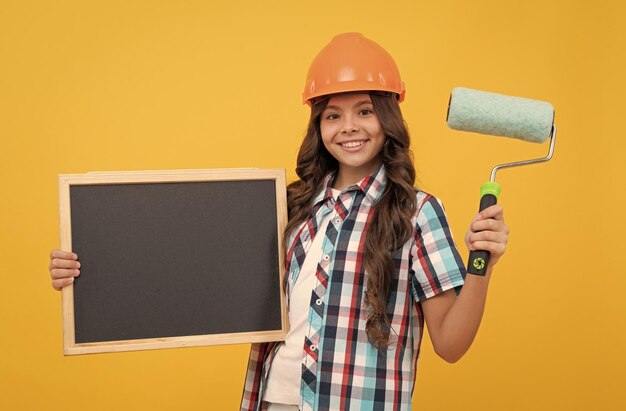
x=283 y=382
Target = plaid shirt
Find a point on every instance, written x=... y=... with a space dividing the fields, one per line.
x=341 y=370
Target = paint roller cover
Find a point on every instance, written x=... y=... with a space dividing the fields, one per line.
x=500 y=115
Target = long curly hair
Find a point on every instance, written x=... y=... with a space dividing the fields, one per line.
x=391 y=225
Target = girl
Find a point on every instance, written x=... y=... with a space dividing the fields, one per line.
x=369 y=257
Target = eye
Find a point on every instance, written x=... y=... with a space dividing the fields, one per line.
x=366 y=112
x=332 y=116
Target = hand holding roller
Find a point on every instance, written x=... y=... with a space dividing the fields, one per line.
x=499 y=115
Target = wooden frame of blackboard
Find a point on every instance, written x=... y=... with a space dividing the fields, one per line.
x=66 y=181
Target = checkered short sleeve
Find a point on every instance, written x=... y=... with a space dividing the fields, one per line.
x=436 y=265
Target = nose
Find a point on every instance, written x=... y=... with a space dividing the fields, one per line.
x=349 y=126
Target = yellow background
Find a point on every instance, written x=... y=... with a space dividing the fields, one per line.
x=133 y=85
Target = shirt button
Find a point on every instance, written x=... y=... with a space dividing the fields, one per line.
x=337 y=220
x=313 y=347
x=326 y=257
x=318 y=301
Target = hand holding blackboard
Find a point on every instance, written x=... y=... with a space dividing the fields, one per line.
x=64 y=266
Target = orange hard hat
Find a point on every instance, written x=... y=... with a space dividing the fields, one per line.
x=351 y=62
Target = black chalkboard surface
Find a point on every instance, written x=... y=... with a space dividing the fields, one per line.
x=173 y=258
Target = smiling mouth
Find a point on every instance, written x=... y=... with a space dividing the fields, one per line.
x=353 y=144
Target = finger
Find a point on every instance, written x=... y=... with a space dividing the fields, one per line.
x=489 y=224
x=495 y=249
x=58 y=284
x=494 y=236
x=495 y=211
x=66 y=255
x=61 y=263
x=59 y=273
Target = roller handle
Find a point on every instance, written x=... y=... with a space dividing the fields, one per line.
x=479 y=259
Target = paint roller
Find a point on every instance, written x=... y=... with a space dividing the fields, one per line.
x=499 y=115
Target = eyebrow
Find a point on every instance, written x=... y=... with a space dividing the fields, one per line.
x=359 y=104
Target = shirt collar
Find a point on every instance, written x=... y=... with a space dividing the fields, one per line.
x=372 y=186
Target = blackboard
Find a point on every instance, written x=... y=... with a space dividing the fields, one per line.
x=173 y=258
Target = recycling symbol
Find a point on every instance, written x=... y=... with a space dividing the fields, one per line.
x=478 y=263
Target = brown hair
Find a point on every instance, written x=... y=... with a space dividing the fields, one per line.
x=391 y=224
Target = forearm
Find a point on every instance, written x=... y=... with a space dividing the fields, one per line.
x=453 y=320
x=460 y=324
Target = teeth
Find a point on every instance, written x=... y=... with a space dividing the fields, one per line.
x=352 y=144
